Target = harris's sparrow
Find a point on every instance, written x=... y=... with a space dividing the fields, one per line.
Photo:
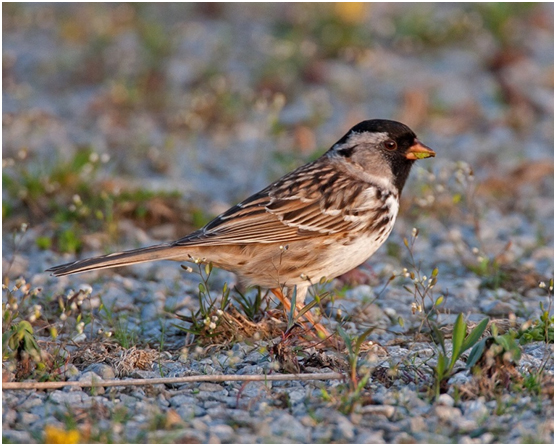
x=321 y=220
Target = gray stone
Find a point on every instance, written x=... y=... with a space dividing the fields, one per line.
x=465 y=424
x=466 y=439
x=445 y=413
x=150 y=311
x=385 y=409
x=199 y=425
x=19 y=437
x=254 y=389
x=475 y=409
x=296 y=395
x=460 y=378
x=366 y=437
x=224 y=433
x=32 y=401
x=322 y=433
x=498 y=308
x=186 y=412
x=445 y=400
x=199 y=411
x=417 y=424
x=344 y=430
x=89 y=377
x=212 y=387
x=250 y=370
x=285 y=425
x=182 y=400
x=8 y=417
x=212 y=396
x=218 y=411
x=487 y=438
x=26 y=418
x=403 y=438
x=211 y=404
x=70 y=398
x=104 y=371
x=115 y=299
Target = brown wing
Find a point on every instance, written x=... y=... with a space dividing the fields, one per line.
x=313 y=200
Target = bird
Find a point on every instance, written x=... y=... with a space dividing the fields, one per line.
x=321 y=220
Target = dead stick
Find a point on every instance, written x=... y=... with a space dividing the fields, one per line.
x=183 y=379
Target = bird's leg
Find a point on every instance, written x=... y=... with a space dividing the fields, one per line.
x=287 y=305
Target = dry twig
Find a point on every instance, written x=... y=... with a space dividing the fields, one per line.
x=180 y=380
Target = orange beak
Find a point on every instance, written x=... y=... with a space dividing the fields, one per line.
x=419 y=151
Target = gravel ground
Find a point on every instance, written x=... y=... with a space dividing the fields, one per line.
x=216 y=101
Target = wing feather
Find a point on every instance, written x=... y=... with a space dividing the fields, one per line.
x=309 y=202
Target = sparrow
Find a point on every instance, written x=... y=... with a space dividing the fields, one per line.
x=319 y=221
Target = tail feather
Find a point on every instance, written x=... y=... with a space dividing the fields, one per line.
x=156 y=252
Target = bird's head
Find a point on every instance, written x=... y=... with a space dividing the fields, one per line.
x=381 y=148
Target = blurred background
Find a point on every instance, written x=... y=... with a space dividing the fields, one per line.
x=166 y=114
x=126 y=124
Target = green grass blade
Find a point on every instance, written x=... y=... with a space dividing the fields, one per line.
x=346 y=339
x=476 y=353
x=306 y=308
x=475 y=335
x=458 y=335
x=361 y=338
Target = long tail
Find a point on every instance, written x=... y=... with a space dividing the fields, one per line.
x=156 y=252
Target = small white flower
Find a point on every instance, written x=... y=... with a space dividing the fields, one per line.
x=212 y=326
x=86 y=288
x=542 y=285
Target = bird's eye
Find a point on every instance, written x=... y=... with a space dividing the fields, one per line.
x=390 y=144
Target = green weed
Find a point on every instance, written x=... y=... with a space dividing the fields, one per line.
x=461 y=342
